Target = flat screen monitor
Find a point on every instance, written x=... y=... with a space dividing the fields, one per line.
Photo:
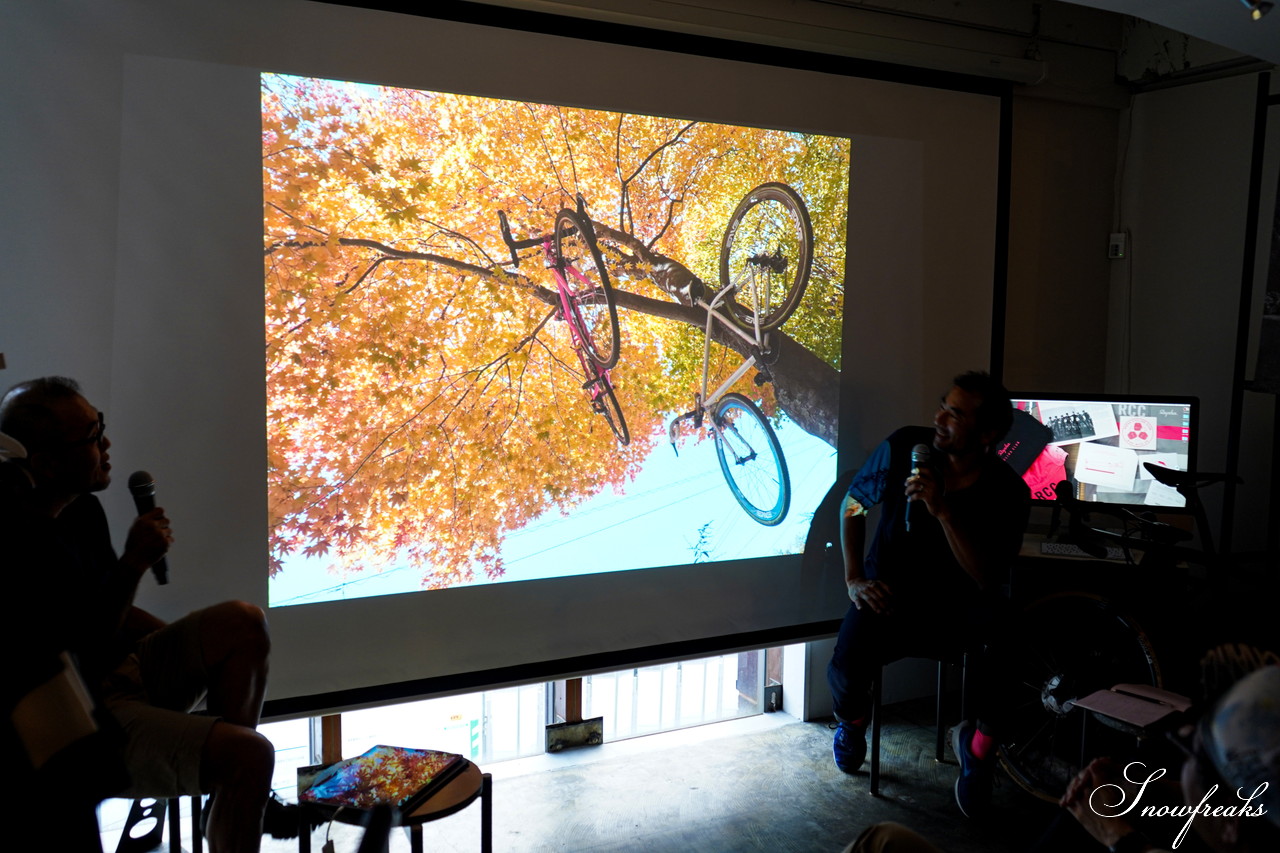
x=1099 y=443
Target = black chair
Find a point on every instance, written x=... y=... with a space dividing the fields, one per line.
x=960 y=658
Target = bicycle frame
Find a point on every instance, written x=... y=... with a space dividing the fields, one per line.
x=597 y=384
x=756 y=340
x=765 y=499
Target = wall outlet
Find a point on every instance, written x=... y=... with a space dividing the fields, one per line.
x=1115 y=246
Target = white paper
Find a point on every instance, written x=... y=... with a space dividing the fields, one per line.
x=1075 y=422
x=1137 y=432
x=1101 y=465
x=1158 y=494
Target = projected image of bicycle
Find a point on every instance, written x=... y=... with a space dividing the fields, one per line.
x=765 y=258
x=586 y=304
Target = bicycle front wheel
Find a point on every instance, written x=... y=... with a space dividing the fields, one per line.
x=751 y=459
x=766 y=253
x=580 y=263
x=1068 y=645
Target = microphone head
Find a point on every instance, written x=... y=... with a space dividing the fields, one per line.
x=919 y=455
x=141 y=484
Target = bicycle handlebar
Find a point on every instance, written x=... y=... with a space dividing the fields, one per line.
x=1153 y=532
x=514 y=245
x=507 y=238
x=1184 y=481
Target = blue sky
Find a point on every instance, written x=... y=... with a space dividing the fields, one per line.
x=655 y=522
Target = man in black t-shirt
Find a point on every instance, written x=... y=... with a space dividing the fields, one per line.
x=73 y=593
x=949 y=530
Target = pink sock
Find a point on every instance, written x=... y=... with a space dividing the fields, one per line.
x=981 y=745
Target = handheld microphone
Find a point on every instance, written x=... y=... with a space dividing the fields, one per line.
x=919 y=458
x=143 y=488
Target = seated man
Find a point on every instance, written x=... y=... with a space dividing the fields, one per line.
x=949 y=530
x=78 y=595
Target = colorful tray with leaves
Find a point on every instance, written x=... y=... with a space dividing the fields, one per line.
x=401 y=776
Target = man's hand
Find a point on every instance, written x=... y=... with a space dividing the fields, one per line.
x=923 y=487
x=1102 y=787
x=869 y=593
x=149 y=540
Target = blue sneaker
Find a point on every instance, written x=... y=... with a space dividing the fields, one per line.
x=973 y=785
x=850 y=746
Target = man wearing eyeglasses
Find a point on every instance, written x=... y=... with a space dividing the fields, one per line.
x=77 y=595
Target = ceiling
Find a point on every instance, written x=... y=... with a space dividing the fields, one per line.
x=1224 y=22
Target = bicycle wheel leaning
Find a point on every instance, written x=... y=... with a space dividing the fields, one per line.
x=583 y=268
x=1068 y=645
x=751 y=459
x=767 y=252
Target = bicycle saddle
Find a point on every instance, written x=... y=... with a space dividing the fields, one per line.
x=1186 y=479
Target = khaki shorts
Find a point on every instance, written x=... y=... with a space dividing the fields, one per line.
x=151 y=695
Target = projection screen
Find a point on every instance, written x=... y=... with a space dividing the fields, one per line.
x=137 y=204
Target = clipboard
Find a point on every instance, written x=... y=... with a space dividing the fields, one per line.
x=1139 y=705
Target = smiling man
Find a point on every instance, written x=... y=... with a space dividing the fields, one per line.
x=77 y=595
x=951 y=523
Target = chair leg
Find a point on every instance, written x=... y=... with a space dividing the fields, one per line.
x=875 y=732
x=140 y=811
x=175 y=825
x=197 y=837
x=941 y=724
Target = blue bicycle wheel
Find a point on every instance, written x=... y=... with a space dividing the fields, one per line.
x=751 y=459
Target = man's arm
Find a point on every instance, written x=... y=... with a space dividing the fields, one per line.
x=979 y=548
x=853 y=537
x=147 y=542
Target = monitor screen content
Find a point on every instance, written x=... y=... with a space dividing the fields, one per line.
x=1099 y=444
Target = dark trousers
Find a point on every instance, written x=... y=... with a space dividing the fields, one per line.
x=921 y=626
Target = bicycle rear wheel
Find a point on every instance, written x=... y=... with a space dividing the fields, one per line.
x=592 y=294
x=751 y=459
x=767 y=252
x=1069 y=645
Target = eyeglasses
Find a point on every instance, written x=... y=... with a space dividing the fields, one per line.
x=95 y=437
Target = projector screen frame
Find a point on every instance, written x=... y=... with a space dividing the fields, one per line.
x=704 y=46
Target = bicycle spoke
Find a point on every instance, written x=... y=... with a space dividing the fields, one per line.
x=751 y=459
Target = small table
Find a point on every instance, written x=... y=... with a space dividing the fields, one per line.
x=454 y=796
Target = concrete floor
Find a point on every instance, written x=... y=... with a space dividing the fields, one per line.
x=765 y=783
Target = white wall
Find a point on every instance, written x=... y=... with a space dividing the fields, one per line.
x=1175 y=303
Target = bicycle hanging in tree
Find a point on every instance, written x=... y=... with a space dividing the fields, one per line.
x=765 y=258
x=585 y=303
